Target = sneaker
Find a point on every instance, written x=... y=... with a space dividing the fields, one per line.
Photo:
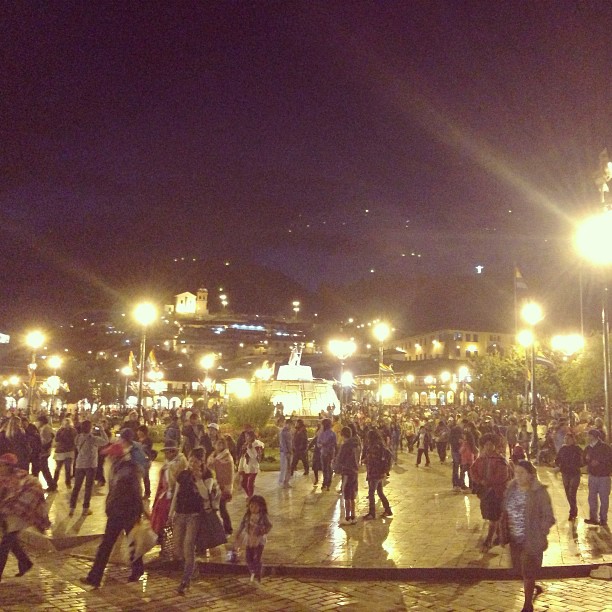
x=89 y=582
x=369 y=517
x=182 y=588
x=457 y=489
x=388 y=513
x=604 y=525
x=87 y=512
x=353 y=521
x=25 y=570
x=591 y=521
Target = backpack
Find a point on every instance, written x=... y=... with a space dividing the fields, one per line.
x=139 y=457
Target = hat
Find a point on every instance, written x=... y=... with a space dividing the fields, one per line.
x=595 y=433
x=9 y=459
x=170 y=445
x=127 y=434
x=214 y=426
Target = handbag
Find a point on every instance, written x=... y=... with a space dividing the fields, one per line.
x=141 y=539
x=210 y=531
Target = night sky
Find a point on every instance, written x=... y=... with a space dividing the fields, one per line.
x=324 y=139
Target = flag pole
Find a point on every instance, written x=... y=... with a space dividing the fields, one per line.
x=515 y=301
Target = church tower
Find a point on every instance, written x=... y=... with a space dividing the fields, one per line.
x=202 y=303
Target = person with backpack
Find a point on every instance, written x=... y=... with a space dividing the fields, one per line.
x=378 y=459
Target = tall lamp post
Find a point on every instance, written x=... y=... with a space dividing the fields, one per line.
x=532 y=314
x=53 y=382
x=342 y=350
x=35 y=339
x=127 y=373
x=145 y=313
x=594 y=244
x=381 y=332
x=207 y=362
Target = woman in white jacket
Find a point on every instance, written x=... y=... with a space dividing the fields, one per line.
x=248 y=466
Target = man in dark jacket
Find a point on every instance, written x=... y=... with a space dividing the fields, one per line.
x=377 y=458
x=300 y=447
x=569 y=461
x=598 y=459
x=347 y=464
x=123 y=509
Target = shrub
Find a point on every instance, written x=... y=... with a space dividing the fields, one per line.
x=269 y=436
x=255 y=410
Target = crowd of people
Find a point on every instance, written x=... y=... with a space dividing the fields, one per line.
x=489 y=455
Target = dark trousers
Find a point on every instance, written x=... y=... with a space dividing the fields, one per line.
x=297 y=457
x=570 y=484
x=81 y=474
x=42 y=465
x=253 y=559
x=420 y=453
x=457 y=481
x=10 y=543
x=225 y=517
x=441 y=446
x=248 y=483
x=114 y=526
x=376 y=486
x=100 y=470
x=146 y=481
x=326 y=461
x=67 y=464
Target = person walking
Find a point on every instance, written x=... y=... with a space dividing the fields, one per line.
x=252 y=534
x=423 y=444
x=300 y=447
x=285 y=438
x=22 y=504
x=46 y=443
x=123 y=510
x=597 y=457
x=327 y=443
x=528 y=517
x=64 y=451
x=491 y=473
x=87 y=444
x=193 y=486
x=377 y=458
x=248 y=465
x=347 y=464
x=14 y=440
x=455 y=438
x=222 y=463
x=569 y=462
x=316 y=454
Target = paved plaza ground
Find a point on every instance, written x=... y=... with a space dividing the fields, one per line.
x=314 y=563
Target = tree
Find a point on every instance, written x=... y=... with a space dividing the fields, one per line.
x=581 y=378
x=255 y=410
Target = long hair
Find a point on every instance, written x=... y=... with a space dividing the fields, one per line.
x=12 y=427
x=261 y=502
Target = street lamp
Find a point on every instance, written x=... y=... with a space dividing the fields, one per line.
x=35 y=339
x=296 y=308
x=207 y=362
x=342 y=350
x=381 y=332
x=568 y=344
x=532 y=314
x=594 y=244
x=54 y=382
x=145 y=313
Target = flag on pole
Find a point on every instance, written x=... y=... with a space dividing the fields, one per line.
x=132 y=362
x=152 y=360
x=519 y=281
x=385 y=368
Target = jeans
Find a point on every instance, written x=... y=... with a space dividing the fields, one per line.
x=326 y=461
x=42 y=465
x=185 y=530
x=297 y=457
x=420 y=453
x=253 y=559
x=457 y=480
x=441 y=447
x=285 y=468
x=225 y=517
x=67 y=463
x=376 y=485
x=599 y=490
x=10 y=543
x=81 y=474
x=100 y=470
x=570 y=483
x=114 y=526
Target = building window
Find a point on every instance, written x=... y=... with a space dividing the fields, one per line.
x=467 y=353
x=457 y=352
x=475 y=337
x=468 y=337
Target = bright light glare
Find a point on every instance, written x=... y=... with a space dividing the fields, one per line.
x=208 y=361
x=464 y=372
x=126 y=371
x=525 y=338
x=387 y=391
x=55 y=362
x=239 y=387
x=347 y=379
x=445 y=377
x=569 y=344
x=35 y=339
x=145 y=313
x=410 y=378
x=532 y=313
x=593 y=239
x=342 y=349
x=381 y=332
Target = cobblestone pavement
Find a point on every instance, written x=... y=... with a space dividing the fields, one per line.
x=432 y=526
x=53 y=585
